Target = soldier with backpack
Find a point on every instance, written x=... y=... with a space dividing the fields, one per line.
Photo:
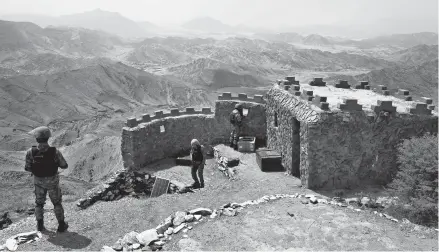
x=235 y=118
x=198 y=161
x=43 y=161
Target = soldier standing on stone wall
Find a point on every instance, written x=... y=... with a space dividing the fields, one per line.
x=236 y=120
x=43 y=161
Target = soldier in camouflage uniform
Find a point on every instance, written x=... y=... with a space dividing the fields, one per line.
x=43 y=161
x=236 y=120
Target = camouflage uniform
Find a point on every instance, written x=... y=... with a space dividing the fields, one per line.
x=44 y=185
x=234 y=135
x=46 y=178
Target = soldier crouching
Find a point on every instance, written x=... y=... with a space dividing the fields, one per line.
x=43 y=161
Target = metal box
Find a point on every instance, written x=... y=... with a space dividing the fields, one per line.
x=246 y=144
x=269 y=160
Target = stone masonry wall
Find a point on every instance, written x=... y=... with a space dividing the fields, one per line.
x=347 y=150
x=288 y=107
x=254 y=124
x=144 y=142
x=340 y=149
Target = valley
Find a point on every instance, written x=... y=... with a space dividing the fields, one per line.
x=85 y=83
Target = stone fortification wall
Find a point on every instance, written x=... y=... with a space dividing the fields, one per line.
x=154 y=137
x=286 y=135
x=254 y=124
x=349 y=150
x=343 y=147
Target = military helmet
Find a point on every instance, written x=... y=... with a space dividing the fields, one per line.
x=238 y=106
x=42 y=132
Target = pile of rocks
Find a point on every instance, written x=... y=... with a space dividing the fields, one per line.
x=5 y=221
x=180 y=221
x=123 y=183
x=154 y=239
x=225 y=164
x=352 y=203
x=183 y=221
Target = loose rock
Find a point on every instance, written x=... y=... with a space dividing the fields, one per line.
x=169 y=231
x=159 y=243
x=201 y=211
x=129 y=239
x=107 y=249
x=179 y=218
x=313 y=200
x=229 y=212
x=164 y=225
x=304 y=201
x=148 y=236
x=365 y=201
x=177 y=229
x=189 y=218
x=117 y=246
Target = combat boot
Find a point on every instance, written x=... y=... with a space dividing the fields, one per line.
x=40 y=225
x=62 y=227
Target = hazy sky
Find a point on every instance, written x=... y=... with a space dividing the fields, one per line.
x=251 y=12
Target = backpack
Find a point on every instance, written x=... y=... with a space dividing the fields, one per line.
x=197 y=154
x=44 y=163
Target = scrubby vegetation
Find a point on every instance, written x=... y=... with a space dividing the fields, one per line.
x=416 y=182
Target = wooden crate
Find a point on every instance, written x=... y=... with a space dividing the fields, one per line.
x=246 y=144
x=269 y=160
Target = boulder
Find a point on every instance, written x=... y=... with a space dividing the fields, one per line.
x=201 y=211
x=136 y=246
x=179 y=218
x=197 y=217
x=148 y=236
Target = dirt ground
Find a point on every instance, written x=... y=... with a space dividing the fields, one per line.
x=259 y=227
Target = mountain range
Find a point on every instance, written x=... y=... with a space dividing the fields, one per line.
x=115 y=23
x=84 y=83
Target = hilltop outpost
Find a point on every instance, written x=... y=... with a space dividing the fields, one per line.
x=328 y=136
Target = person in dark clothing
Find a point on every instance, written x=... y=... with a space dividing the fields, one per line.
x=43 y=162
x=198 y=162
x=236 y=120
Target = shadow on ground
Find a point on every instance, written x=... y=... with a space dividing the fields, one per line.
x=69 y=240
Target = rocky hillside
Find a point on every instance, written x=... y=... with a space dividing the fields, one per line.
x=415 y=55
x=103 y=89
x=84 y=83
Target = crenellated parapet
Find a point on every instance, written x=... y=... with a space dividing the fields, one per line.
x=241 y=97
x=133 y=122
x=164 y=134
x=363 y=85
